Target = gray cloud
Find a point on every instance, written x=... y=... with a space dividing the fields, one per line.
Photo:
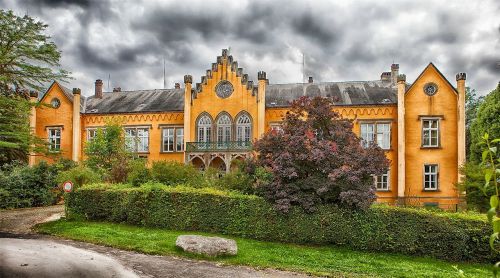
x=129 y=39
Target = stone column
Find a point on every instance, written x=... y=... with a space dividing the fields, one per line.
x=77 y=136
x=261 y=103
x=33 y=100
x=401 y=137
x=188 y=81
x=461 y=122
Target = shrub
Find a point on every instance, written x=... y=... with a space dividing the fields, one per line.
x=173 y=172
x=318 y=159
x=449 y=236
x=138 y=172
x=79 y=176
x=24 y=186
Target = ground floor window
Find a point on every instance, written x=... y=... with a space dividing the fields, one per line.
x=172 y=139
x=382 y=182
x=54 y=139
x=431 y=175
x=137 y=139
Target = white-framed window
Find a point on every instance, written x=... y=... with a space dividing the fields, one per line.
x=137 y=139
x=276 y=127
x=172 y=139
x=54 y=139
x=204 y=132
x=91 y=133
x=243 y=128
x=430 y=132
x=431 y=176
x=224 y=125
x=382 y=182
x=179 y=139
x=376 y=132
x=384 y=135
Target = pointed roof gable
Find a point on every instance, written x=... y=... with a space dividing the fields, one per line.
x=67 y=92
x=440 y=74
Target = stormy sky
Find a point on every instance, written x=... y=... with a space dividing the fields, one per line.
x=341 y=40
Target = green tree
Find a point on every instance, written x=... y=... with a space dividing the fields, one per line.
x=107 y=154
x=472 y=103
x=28 y=59
x=487 y=121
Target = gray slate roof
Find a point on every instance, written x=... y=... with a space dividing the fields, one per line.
x=341 y=93
x=136 y=101
x=277 y=95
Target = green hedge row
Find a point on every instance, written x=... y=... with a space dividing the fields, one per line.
x=453 y=237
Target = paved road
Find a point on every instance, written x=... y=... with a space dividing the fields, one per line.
x=25 y=254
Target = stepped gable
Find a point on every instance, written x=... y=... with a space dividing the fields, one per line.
x=225 y=61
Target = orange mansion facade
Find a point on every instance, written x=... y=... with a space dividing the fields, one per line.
x=421 y=126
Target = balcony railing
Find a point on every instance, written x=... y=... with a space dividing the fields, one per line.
x=226 y=146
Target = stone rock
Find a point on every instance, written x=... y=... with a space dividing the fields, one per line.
x=210 y=246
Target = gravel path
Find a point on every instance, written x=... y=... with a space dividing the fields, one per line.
x=25 y=254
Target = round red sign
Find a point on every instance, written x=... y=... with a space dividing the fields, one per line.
x=68 y=186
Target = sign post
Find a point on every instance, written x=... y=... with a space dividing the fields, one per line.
x=67 y=186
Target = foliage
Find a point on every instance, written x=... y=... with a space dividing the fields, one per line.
x=173 y=172
x=472 y=103
x=318 y=159
x=24 y=186
x=16 y=139
x=323 y=261
x=79 y=176
x=487 y=121
x=473 y=186
x=448 y=236
x=491 y=170
x=139 y=173
x=27 y=56
x=107 y=155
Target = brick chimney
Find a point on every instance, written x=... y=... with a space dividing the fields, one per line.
x=385 y=76
x=117 y=89
x=394 y=73
x=310 y=79
x=98 y=88
x=177 y=85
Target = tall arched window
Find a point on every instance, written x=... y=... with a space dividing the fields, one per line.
x=204 y=129
x=224 y=124
x=243 y=129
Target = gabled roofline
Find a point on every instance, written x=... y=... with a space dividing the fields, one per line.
x=60 y=87
x=439 y=72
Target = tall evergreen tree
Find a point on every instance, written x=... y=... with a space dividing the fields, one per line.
x=28 y=60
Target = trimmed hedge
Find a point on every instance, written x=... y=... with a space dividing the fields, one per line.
x=448 y=236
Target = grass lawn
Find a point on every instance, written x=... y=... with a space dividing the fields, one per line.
x=324 y=260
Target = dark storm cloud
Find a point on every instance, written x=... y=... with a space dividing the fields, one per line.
x=358 y=40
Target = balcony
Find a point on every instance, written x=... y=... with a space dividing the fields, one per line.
x=227 y=146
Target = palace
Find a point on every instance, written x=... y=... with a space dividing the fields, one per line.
x=421 y=126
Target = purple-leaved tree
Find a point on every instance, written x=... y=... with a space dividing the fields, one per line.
x=317 y=158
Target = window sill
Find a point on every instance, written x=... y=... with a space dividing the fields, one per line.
x=172 y=152
x=430 y=148
x=431 y=190
x=384 y=190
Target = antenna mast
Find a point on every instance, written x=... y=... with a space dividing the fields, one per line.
x=303 y=68
x=164 y=79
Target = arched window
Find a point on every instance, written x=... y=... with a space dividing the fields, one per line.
x=204 y=128
x=243 y=129
x=224 y=125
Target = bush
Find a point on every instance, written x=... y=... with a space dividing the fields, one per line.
x=318 y=159
x=79 y=176
x=138 y=172
x=173 y=172
x=449 y=236
x=24 y=186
